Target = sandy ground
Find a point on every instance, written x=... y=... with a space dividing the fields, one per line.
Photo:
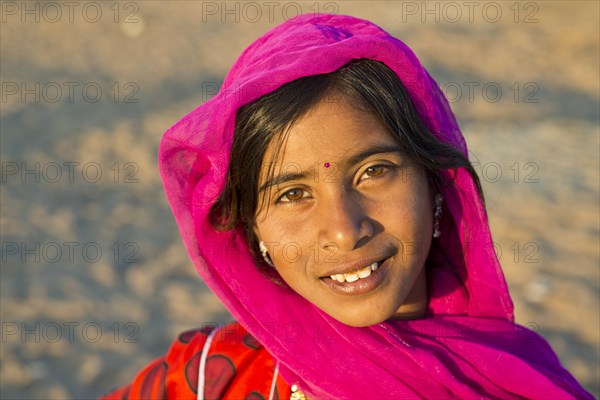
x=94 y=279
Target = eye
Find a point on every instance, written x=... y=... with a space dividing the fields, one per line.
x=291 y=196
x=375 y=171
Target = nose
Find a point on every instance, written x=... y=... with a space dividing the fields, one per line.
x=344 y=223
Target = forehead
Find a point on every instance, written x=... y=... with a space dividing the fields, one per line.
x=330 y=132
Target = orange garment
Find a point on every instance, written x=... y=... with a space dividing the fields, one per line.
x=237 y=367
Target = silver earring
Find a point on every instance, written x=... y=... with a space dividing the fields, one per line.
x=264 y=252
x=439 y=199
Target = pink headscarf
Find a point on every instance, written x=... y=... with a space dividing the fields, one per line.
x=468 y=347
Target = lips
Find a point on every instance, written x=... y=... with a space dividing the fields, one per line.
x=356 y=275
x=356 y=265
x=351 y=283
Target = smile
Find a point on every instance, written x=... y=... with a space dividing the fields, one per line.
x=360 y=281
x=356 y=275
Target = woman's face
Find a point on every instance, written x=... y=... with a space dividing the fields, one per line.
x=348 y=218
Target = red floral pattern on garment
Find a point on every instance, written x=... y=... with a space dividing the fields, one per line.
x=237 y=367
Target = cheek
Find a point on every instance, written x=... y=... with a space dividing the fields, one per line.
x=419 y=211
x=283 y=230
x=419 y=220
x=288 y=241
x=407 y=216
x=408 y=208
x=421 y=201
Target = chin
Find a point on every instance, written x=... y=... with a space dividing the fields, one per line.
x=363 y=319
x=405 y=312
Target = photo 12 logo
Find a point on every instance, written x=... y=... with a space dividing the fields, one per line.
x=255 y=11
x=490 y=92
x=69 y=252
x=469 y=11
x=69 y=331
x=69 y=11
x=68 y=172
x=71 y=92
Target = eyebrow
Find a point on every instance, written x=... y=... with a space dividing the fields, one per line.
x=353 y=160
x=371 y=151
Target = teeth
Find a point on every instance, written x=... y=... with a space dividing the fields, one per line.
x=351 y=277
x=363 y=273
x=356 y=275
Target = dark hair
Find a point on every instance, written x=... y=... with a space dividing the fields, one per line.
x=367 y=84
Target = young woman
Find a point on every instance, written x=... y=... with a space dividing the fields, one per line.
x=326 y=197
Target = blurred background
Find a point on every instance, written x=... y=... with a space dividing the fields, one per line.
x=95 y=282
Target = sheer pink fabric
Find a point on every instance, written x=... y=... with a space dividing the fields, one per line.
x=468 y=347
